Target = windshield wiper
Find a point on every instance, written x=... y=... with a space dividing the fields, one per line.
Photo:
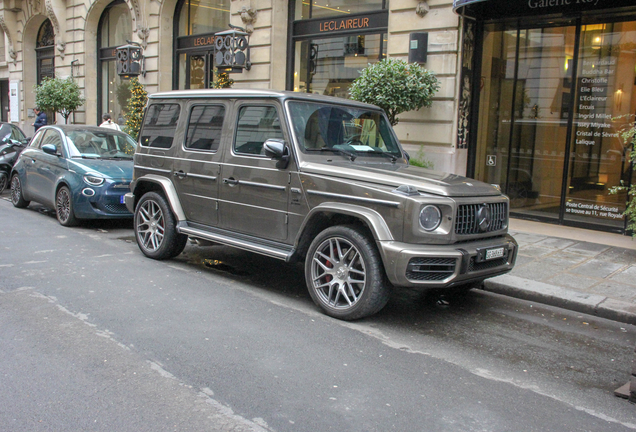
x=388 y=155
x=350 y=155
x=86 y=157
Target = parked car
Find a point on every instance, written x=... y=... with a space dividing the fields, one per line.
x=80 y=171
x=306 y=177
x=12 y=142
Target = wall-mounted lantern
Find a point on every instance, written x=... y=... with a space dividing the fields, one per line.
x=232 y=50
x=130 y=61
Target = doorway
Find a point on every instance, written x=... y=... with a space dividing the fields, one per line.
x=553 y=102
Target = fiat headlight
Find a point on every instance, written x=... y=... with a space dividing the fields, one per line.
x=430 y=217
x=93 y=180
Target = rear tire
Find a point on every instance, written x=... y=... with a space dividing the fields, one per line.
x=156 y=228
x=345 y=275
x=17 y=199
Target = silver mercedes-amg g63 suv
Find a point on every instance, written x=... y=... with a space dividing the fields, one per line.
x=322 y=180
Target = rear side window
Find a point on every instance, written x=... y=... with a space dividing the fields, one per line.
x=256 y=124
x=205 y=127
x=159 y=125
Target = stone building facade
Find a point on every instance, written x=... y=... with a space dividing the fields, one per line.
x=173 y=36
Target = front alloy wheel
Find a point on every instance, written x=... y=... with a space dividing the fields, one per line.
x=64 y=207
x=155 y=228
x=344 y=273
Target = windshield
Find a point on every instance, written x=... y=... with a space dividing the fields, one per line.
x=96 y=144
x=348 y=130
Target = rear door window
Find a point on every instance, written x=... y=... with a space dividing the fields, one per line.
x=205 y=127
x=159 y=125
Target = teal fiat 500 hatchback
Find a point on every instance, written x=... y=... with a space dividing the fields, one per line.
x=82 y=172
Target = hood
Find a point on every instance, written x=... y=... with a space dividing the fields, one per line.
x=110 y=168
x=394 y=175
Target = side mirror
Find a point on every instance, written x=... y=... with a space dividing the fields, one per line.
x=407 y=156
x=276 y=149
x=50 y=149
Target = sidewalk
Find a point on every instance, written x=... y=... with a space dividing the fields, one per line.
x=581 y=270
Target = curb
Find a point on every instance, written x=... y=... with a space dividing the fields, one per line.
x=592 y=304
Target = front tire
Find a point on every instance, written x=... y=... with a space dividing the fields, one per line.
x=17 y=199
x=64 y=207
x=156 y=228
x=344 y=273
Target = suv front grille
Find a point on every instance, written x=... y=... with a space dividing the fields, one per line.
x=466 y=219
x=430 y=269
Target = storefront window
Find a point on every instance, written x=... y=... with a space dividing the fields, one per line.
x=203 y=16
x=549 y=119
x=333 y=41
x=45 y=52
x=306 y=9
x=115 y=29
x=604 y=105
x=197 y=21
x=329 y=66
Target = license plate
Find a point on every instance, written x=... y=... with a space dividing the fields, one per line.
x=121 y=200
x=494 y=253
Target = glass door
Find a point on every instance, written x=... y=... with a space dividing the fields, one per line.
x=553 y=103
x=524 y=115
x=605 y=105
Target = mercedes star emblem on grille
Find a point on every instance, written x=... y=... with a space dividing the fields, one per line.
x=483 y=218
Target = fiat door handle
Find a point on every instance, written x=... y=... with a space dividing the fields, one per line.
x=230 y=181
x=180 y=174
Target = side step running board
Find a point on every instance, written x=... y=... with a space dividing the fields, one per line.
x=279 y=251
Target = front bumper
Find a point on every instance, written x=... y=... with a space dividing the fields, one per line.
x=105 y=203
x=129 y=200
x=435 y=266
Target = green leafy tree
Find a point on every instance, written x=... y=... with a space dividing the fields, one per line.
x=58 y=95
x=629 y=141
x=395 y=86
x=135 y=108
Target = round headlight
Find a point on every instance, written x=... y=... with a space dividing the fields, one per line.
x=93 y=180
x=430 y=217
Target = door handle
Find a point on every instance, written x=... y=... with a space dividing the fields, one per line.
x=230 y=181
x=180 y=174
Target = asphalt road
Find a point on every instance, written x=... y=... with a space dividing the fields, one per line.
x=96 y=337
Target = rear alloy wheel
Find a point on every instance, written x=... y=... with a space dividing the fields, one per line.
x=16 y=193
x=64 y=208
x=344 y=273
x=156 y=228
